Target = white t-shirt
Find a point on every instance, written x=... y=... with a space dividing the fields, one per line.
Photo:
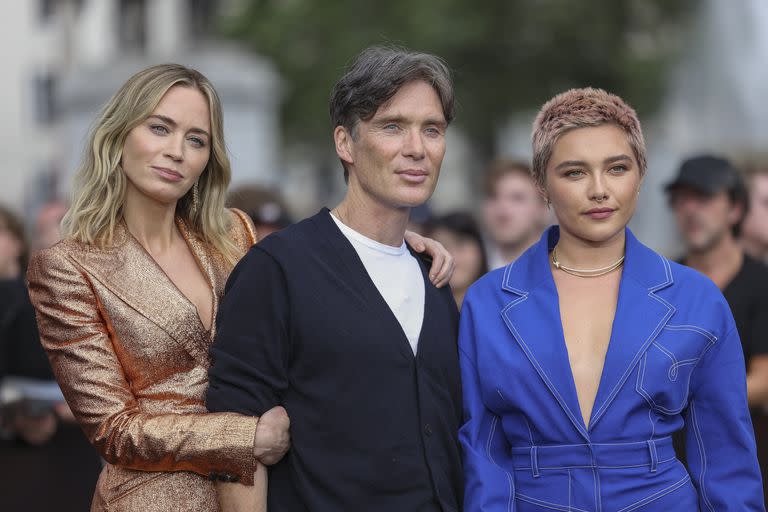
x=397 y=275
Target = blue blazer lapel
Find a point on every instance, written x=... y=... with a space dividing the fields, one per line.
x=533 y=318
x=640 y=317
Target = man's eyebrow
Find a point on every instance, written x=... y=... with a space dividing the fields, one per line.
x=173 y=123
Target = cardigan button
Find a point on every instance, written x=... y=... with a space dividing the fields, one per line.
x=428 y=429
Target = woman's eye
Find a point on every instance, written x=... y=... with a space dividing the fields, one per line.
x=159 y=129
x=619 y=169
x=197 y=142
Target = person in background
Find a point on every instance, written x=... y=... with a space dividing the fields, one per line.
x=514 y=211
x=48 y=224
x=754 y=230
x=264 y=206
x=38 y=439
x=709 y=201
x=460 y=234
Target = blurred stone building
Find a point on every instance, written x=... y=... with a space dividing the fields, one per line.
x=65 y=58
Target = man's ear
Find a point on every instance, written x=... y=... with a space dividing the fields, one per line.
x=736 y=213
x=342 y=139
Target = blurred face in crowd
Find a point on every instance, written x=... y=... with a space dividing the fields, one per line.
x=515 y=212
x=755 y=227
x=592 y=182
x=467 y=257
x=167 y=153
x=10 y=252
x=48 y=225
x=703 y=219
x=394 y=158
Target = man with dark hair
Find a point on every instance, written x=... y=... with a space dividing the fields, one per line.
x=709 y=200
x=514 y=211
x=336 y=319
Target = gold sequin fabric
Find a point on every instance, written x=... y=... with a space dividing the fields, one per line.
x=131 y=356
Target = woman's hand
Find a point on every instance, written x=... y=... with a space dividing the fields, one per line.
x=442 y=261
x=273 y=438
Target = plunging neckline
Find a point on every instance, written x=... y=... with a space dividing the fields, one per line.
x=214 y=303
x=563 y=340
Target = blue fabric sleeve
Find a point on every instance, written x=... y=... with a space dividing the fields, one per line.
x=719 y=438
x=488 y=486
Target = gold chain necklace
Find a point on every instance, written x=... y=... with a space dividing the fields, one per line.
x=593 y=272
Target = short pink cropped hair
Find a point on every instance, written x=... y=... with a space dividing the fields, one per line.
x=581 y=108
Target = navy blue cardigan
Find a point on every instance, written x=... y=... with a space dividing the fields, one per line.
x=372 y=427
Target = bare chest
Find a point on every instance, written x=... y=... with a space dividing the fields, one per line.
x=183 y=271
x=587 y=310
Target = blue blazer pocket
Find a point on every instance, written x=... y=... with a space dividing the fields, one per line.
x=665 y=369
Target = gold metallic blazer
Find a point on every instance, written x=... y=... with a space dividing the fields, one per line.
x=131 y=356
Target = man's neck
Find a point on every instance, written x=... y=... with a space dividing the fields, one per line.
x=720 y=263
x=384 y=224
x=510 y=252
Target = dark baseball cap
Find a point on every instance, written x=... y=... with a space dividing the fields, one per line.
x=707 y=174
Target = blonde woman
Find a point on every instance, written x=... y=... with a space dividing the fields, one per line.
x=126 y=303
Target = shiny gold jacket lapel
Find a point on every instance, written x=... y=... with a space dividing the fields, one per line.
x=126 y=267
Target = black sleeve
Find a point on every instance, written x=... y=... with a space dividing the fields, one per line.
x=21 y=353
x=250 y=354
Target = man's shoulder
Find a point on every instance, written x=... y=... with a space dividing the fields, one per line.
x=295 y=238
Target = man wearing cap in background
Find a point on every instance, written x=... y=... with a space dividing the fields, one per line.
x=710 y=201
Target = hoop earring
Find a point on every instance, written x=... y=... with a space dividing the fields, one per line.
x=195 y=199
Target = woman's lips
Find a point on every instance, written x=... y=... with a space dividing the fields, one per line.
x=168 y=174
x=600 y=213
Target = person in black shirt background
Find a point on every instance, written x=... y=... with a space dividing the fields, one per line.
x=709 y=201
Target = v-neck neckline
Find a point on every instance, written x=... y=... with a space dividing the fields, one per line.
x=561 y=331
x=354 y=263
x=185 y=235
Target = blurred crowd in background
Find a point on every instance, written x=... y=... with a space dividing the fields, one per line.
x=693 y=69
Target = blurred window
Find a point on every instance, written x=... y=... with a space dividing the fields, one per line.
x=45 y=10
x=132 y=25
x=202 y=16
x=45 y=101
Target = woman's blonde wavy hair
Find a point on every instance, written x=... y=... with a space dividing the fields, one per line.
x=100 y=184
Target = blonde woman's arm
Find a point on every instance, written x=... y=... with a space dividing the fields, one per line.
x=82 y=345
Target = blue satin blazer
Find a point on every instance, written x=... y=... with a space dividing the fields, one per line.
x=674 y=362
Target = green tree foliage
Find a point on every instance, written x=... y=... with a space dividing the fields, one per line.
x=508 y=56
